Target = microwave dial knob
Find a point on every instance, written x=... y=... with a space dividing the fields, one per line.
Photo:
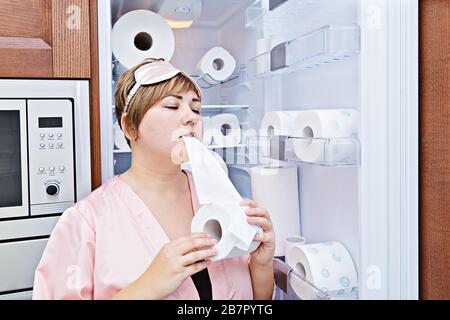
x=52 y=189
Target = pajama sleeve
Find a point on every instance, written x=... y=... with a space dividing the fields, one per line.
x=66 y=268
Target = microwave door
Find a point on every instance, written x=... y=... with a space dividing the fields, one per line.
x=13 y=159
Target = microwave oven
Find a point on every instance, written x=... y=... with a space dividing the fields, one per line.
x=44 y=169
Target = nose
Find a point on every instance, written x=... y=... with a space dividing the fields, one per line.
x=190 y=117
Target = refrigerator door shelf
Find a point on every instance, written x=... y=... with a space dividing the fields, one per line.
x=293 y=286
x=268 y=12
x=205 y=81
x=320 y=47
x=323 y=46
x=330 y=152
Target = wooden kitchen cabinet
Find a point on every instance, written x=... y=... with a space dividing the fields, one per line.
x=45 y=39
x=54 y=39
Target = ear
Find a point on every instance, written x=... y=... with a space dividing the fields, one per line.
x=129 y=133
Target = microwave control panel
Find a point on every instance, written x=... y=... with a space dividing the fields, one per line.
x=51 y=151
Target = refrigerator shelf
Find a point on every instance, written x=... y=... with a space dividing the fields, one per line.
x=205 y=81
x=121 y=151
x=223 y=107
x=322 y=46
x=217 y=146
x=329 y=152
x=293 y=286
x=273 y=11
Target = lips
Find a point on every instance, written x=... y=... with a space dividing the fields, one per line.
x=189 y=134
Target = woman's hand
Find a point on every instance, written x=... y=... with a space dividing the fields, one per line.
x=259 y=216
x=176 y=261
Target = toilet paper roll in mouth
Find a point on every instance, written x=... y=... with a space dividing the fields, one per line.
x=221 y=215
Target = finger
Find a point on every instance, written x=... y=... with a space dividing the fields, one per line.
x=264 y=223
x=262 y=237
x=249 y=202
x=197 y=256
x=258 y=212
x=189 y=237
x=196 y=267
x=194 y=245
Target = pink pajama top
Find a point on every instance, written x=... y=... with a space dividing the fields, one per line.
x=107 y=240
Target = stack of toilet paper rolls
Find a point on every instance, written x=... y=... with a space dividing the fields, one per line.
x=312 y=128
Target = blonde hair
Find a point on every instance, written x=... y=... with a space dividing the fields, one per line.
x=145 y=97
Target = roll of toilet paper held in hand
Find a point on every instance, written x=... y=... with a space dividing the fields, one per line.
x=141 y=34
x=327 y=265
x=221 y=215
x=225 y=130
x=224 y=222
x=335 y=123
x=218 y=63
x=276 y=190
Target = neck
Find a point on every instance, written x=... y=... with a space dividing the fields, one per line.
x=152 y=174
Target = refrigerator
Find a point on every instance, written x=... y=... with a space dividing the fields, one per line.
x=303 y=55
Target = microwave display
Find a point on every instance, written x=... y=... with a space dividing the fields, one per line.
x=50 y=122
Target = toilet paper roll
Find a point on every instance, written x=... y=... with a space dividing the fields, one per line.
x=262 y=55
x=219 y=220
x=226 y=129
x=335 y=123
x=207 y=134
x=276 y=123
x=141 y=34
x=289 y=243
x=276 y=189
x=221 y=213
x=327 y=265
x=119 y=138
x=218 y=63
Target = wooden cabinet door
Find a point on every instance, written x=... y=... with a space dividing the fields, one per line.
x=44 y=39
x=435 y=149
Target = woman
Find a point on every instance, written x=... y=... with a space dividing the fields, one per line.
x=130 y=238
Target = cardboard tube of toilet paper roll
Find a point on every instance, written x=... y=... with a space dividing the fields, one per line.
x=327 y=265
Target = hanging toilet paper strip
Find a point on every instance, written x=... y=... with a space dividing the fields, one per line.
x=221 y=215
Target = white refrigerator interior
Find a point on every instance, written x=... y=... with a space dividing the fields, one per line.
x=336 y=60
